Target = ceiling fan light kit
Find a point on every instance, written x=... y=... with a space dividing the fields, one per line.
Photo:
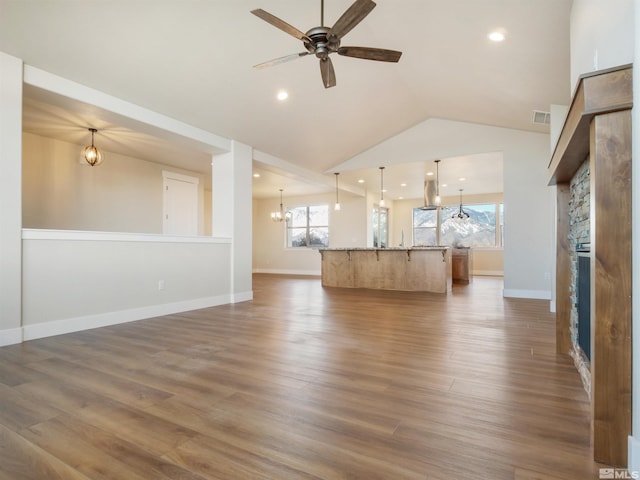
x=322 y=41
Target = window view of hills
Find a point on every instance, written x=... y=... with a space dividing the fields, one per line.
x=478 y=230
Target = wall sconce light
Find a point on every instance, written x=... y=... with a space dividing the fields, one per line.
x=91 y=154
x=337 y=205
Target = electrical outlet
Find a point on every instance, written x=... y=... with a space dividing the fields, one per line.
x=160 y=284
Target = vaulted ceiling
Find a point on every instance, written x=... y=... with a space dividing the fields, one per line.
x=192 y=60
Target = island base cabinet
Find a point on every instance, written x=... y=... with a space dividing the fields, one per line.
x=423 y=270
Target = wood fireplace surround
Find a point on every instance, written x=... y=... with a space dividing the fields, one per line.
x=598 y=129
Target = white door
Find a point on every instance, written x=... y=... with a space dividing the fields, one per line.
x=180 y=204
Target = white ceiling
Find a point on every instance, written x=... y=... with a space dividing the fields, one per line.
x=192 y=60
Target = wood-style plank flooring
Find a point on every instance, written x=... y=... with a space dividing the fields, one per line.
x=303 y=383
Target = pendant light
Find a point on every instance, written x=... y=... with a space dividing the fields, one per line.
x=337 y=205
x=280 y=215
x=91 y=154
x=461 y=215
x=381 y=186
x=437 y=199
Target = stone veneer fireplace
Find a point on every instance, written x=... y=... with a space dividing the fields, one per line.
x=579 y=237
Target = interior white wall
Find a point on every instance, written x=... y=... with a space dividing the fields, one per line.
x=53 y=271
x=10 y=199
x=124 y=194
x=601 y=36
x=61 y=294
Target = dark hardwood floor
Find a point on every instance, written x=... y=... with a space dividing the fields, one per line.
x=303 y=382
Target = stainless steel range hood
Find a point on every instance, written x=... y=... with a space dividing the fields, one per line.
x=430 y=194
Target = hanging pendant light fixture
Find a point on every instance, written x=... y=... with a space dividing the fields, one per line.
x=437 y=199
x=381 y=186
x=461 y=215
x=91 y=155
x=280 y=215
x=337 y=205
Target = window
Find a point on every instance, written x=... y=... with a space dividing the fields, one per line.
x=501 y=225
x=380 y=227
x=481 y=230
x=308 y=227
x=425 y=223
x=478 y=231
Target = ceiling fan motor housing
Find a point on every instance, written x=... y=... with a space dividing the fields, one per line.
x=320 y=44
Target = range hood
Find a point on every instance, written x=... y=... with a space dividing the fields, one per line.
x=430 y=194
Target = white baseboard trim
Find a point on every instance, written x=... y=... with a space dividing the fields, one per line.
x=488 y=273
x=534 y=294
x=10 y=336
x=552 y=306
x=275 y=271
x=69 y=325
x=242 y=297
x=633 y=458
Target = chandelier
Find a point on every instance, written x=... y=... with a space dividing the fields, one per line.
x=381 y=186
x=461 y=215
x=280 y=215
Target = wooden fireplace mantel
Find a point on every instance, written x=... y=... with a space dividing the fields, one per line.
x=598 y=129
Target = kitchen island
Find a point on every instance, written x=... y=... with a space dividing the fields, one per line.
x=421 y=269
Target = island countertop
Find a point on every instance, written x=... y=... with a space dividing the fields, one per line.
x=425 y=269
x=339 y=249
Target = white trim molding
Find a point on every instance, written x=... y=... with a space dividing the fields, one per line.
x=633 y=458
x=44 y=234
x=533 y=294
x=10 y=336
x=69 y=325
x=242 y=297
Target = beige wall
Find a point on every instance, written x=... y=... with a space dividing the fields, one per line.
x=124 y=194
x=347 y=228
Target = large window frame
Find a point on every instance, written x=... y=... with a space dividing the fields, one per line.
x=380 y=226
x=307 y=226
x=428 y=225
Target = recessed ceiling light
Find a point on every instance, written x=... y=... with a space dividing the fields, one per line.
x=403 y=184
x=384 y=190
x=444 y=185
x=282 y=95
x=361 y=180
x=400 y=198
x=429 y=174
x=462 y=179
x=496 y=36
x=256 y=175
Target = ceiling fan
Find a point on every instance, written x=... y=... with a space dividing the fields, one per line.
x=322 y=41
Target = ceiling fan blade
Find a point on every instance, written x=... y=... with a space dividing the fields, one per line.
x=281 y=24
x=277 y=61
x=328 y=74
x=367 y=53
x=350 y=18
